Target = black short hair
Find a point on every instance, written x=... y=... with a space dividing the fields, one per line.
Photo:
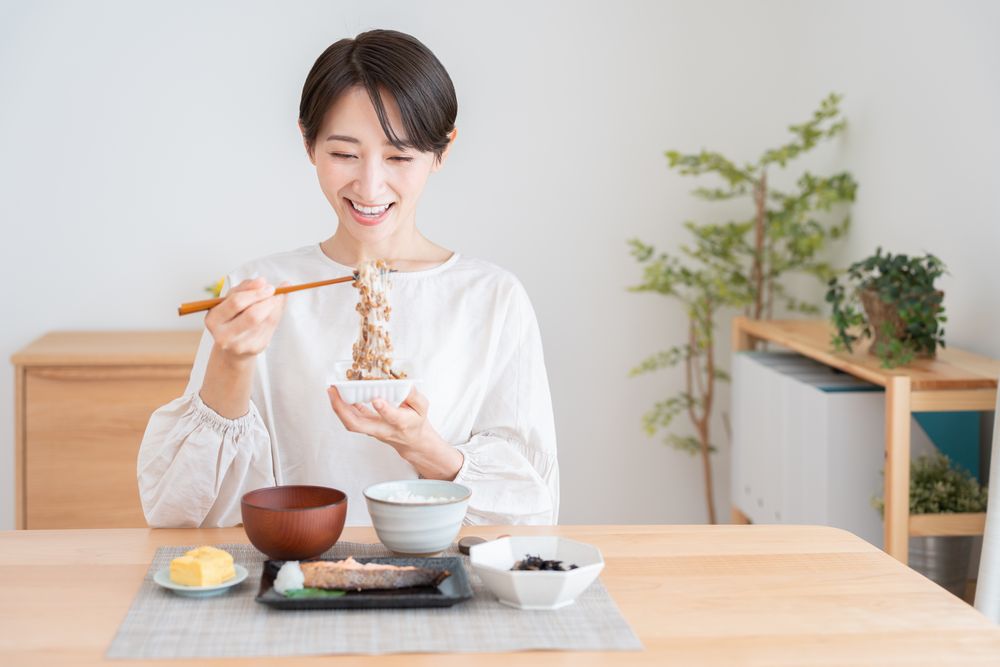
x=384 y=62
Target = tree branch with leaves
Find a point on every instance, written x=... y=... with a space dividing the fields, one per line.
x=739 y=265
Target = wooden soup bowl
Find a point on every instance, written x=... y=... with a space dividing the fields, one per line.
x=294 y=522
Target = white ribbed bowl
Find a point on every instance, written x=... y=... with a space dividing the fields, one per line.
x=417 y=529
x=392 y=392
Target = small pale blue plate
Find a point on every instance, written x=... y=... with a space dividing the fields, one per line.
x=162 y=577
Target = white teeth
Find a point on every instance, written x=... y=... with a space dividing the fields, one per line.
x=370 y=210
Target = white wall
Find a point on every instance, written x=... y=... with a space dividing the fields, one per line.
x=146 y=148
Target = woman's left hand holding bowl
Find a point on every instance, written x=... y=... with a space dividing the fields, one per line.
x=405 y=429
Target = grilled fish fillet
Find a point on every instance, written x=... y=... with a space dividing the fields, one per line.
x=349 y=574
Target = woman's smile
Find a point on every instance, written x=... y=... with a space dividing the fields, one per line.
x=368 y=215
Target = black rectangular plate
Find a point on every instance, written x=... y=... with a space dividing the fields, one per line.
x=452 y=590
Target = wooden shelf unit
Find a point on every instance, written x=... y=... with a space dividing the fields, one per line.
x=82 y=402
x=925 y=525
x=955 y=380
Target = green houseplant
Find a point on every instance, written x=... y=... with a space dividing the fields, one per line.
x=936 y=486
x=739 y=264
x=901 y=309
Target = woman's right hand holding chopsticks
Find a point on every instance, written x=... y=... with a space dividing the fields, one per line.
x=242 y=327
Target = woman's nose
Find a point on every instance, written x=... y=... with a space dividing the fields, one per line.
x=371 y=181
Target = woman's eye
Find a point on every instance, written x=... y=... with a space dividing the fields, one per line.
x=400 y=158
x=342 y=155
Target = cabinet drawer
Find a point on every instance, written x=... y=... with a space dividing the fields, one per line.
x=84 y=426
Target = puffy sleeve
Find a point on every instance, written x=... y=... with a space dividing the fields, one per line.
x=510 y=460
x=195 y=465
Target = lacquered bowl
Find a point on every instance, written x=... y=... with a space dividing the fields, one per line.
x=294 y=522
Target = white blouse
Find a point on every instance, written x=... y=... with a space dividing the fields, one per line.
x=465 y=327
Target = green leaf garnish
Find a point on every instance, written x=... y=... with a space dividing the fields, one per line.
x=314 y=593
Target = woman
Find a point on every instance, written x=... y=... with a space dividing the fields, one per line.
x=377 y=118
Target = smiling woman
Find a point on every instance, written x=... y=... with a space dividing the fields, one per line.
x=377 y=118
x=372 y=184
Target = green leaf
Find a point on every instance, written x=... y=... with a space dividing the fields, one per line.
x=708 y=162
x=662 y=413
x=664 y=359
x=685 y=443
x=299 y=593
x=824 y=124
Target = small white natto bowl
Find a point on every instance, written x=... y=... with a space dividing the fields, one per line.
x=392 y=392
x=417 y=529
x=536 y=589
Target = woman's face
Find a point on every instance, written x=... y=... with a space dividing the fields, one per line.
x=373 y=186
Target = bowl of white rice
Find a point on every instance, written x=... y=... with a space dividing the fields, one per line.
x=417 y=517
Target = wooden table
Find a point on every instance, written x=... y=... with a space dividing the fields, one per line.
x=695 y=595
x=955 y=380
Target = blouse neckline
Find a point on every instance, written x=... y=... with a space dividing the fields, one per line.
x=406 y=275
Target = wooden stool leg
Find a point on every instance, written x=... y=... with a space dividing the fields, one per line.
x=897 y=467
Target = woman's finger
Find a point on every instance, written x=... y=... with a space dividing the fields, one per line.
x=359 y=419
x=238 y=300
x=392 y=416
x=249 y=284
x=357 y=415
x=418 y=402
x=249 y=322
x=364 y=411
x=350 y=419
x=251 y=330
x=244 y=299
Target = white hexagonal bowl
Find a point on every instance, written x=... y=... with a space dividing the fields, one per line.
x=542 y=589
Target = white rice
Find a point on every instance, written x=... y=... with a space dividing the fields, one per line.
x=408 y=497
x=289 y=577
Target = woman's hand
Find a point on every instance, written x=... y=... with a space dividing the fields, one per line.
x=406 y=429
x=242 y=326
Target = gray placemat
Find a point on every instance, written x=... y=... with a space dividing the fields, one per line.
x=161 y=624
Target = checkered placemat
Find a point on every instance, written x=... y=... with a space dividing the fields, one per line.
x=161 y=624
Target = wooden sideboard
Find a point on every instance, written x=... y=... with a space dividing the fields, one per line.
x=82 y=401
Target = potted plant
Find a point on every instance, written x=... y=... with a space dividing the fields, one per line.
x=739 y=264
x=936 y=487
x=902 y=309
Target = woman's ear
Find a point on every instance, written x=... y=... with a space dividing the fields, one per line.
x=438 y=163
x=305 y=143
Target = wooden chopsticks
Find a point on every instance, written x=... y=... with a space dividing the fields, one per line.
x=198 y=306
